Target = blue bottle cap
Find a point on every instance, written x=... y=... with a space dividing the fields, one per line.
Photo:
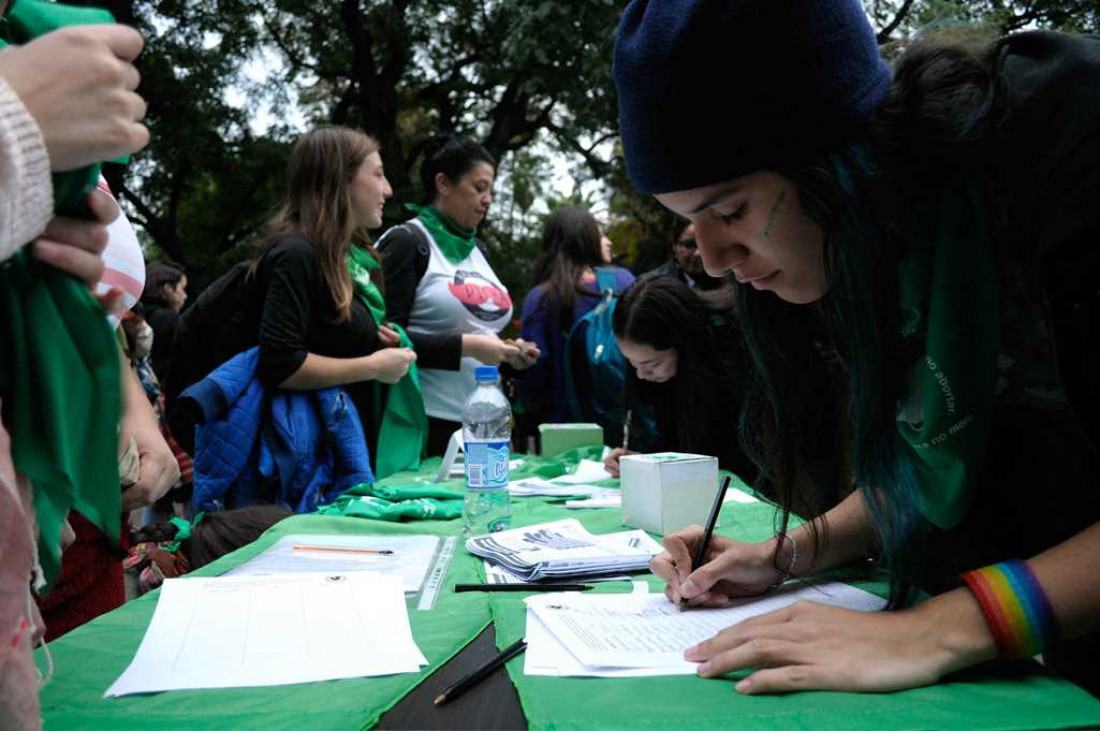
x=485 y=374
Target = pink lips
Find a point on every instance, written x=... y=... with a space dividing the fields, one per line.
x=756 y=280
x=762 y=282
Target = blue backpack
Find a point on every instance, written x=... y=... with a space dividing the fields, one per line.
x=595 y=368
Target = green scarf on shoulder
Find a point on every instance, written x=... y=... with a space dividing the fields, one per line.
x=61 y=364
x=403 y=426
x=949 y=302
x=453 y=240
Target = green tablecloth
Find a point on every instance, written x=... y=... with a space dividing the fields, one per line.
x=1014 y=697
x=90 y=658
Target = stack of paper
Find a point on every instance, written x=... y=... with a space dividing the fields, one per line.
x=564 y=549
x=227 y=632
x=627 y=635
x=495 y=574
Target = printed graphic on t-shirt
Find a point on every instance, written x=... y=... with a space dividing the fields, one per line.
x=483 y=299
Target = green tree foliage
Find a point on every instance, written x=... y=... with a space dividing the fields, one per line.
x=531 y=80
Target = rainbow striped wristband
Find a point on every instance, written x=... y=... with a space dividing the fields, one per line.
x=1015 y=607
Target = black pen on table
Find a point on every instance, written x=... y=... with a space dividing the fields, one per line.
x=708 y=529
x=481 y=672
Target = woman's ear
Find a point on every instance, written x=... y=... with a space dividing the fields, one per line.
x=442 y=184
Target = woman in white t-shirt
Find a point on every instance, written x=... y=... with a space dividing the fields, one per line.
x=441 y=288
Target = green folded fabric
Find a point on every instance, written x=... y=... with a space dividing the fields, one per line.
x=403 y=425
x=376 y=508
x=61 y=363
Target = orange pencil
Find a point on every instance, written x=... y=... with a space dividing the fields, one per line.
x=341 y=549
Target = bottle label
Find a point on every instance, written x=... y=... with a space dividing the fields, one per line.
x=487 y=464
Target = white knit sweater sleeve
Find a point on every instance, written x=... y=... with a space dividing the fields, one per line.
x=26 y=192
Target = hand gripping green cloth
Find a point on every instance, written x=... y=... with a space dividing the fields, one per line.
x=403 y=431
x=60 y=362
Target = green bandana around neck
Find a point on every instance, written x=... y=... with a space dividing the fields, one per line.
x=453 y=240
x=403 y=425
x=949 y=303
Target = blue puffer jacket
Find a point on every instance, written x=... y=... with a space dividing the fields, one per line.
x=299 y=449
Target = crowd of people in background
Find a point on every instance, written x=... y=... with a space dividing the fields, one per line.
x=801 y=331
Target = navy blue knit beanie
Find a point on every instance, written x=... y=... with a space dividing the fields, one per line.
x=713 y=89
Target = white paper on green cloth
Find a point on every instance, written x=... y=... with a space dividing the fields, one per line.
x=495 y=574
x=588 y=470
x=412 y=556
x=239 y=632
x=617 y=632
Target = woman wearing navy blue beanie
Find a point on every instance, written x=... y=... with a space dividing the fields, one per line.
x=937 y=228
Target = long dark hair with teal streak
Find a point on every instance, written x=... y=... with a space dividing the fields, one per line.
x=873 y=199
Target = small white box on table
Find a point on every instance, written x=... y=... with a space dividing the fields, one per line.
x=667 y=491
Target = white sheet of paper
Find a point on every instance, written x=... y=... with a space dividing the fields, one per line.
x=235 y=632
x=609 y=500
x=631 y=631
x=734 y=495
x=589 y=470
x=411 y=559
x=546 y=656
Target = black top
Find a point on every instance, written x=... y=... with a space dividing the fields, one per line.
x=299 y=316
x=163 y=320
x=287 y=310
x=404 y=253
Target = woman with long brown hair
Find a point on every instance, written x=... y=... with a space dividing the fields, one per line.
x=566 y=288
x=311 y=298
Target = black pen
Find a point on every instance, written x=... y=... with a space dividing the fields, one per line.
x=481 y=673
x=708 y=530
x=522 y=587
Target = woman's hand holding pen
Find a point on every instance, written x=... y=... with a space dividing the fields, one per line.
x=611 y=461
x=731 y=568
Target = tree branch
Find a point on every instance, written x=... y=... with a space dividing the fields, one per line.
x=296 y=61
x=599 y=167
x=340 y=111
x=884 y=35
x=154 y=225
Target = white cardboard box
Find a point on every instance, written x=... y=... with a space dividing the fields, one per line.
x=667 y=491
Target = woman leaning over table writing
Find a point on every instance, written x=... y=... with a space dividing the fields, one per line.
x=940 y=226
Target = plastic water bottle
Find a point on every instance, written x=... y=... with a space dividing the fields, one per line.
x=487 y=435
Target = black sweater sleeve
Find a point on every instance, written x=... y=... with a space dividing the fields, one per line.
x=404 y=254
x=291 y=278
